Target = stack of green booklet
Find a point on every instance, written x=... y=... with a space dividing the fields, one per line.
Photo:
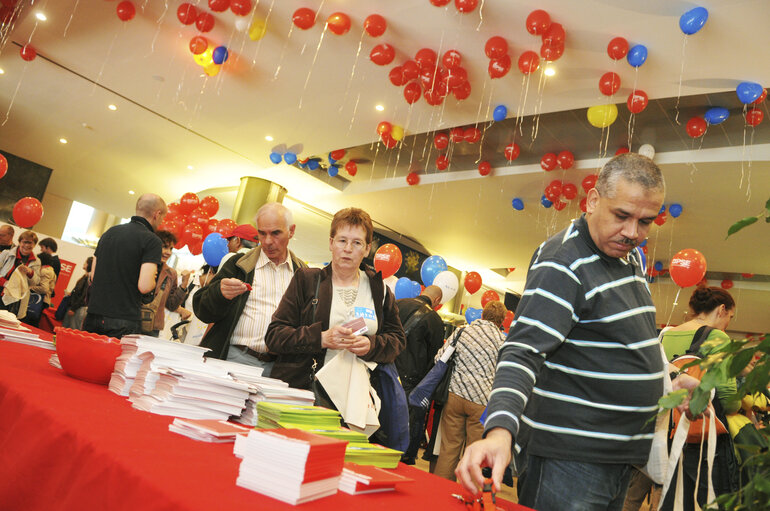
x=280 y=415
x=372 y=454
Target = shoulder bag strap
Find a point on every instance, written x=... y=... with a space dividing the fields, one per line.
x=697 y=341
x=415 y=317
x=314 y=301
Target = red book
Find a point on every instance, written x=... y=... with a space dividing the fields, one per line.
x=358 y=479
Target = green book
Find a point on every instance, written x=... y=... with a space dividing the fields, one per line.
x=372 y=454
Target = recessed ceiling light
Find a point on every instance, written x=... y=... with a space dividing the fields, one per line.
x=549 y=71
x=190 y=167
x=2 y=71
x=379 y=108
x=63 y=140
x=269 y=138
x=131 y=192
x=112 y=107
x=40 y=16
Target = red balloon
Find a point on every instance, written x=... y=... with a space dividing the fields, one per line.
x=188 y=202
x=538 y=22
x=583 y=202
x=27 y=212
x=3 y=166
x=396 y=76
x=466 y=5
x=609 y=83
x=754 y=117
x=187 y=13
x=337 y=154
x=551 y=52
x=529 y=62
x=761 y=97
x=440 y=3
x=412 y=92
x=456 y=77
x=548 y=162
x=747 y=275
x=389 y=141
x=589 y=182
x=433 y=97
x=457 y=135
x=382 y=54
x=192 y=233
x=555 y=35
x=240 y=7
x=387 y=259
x=205 y=22
x=426 y=58
x=210 y=205
x=303 y=18
x=488 y=296
x=637 y=101
x=225 y=227
x=219 y=5
x=565 y=159
x=451 y=59
x=462 y=92
x=126 y=10
x=552 y=192
x=411 y=70
x=442 y=162
x=196 y=248
x=687 y=267
x=472 y=282
x=485 y=168
x=200 y=217
x=499 y=67
x=441 y=141
x=198 y=44
x=384 y=128
x=621 y=150
x=507 y=320
x=569 y=191
x=618 y=48
x=472 y=135
x=727 y=284
x=174 y=208
x=696 y=127
x=338 y=23
x=559 y=205
x=512 y=151
x=351 y=167
x=413 y=178
x=496 y=47
x=375 y=25
x=660 y=220
x=28 y=52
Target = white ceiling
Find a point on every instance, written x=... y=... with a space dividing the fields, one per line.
x=315 y=92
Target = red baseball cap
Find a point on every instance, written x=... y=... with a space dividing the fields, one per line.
x=245 y=232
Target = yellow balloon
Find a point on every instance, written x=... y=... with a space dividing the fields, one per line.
x=397 y=132
x=212 y=69
x=205 y=59
x=601 y=116
x=257 y=30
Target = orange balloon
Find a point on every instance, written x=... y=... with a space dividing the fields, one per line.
x=387 y=260
x=687 y=267
x=472 y=282
x=488 y=296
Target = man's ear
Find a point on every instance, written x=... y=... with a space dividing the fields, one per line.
x=592 y=200
x=291 y=231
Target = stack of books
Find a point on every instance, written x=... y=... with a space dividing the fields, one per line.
x=372 y=454
x=310 y=465
x=279 y=415
x=164 y=352
x=357 y=479
x=12 y=330
x=272 y=391
x=215 y=431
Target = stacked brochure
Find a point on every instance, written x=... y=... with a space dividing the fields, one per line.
x=272 y=391
x=357 y=479
x=216 y=431
x=279 y=415
x=372 y=454
x=310 y=465
x=12 y=330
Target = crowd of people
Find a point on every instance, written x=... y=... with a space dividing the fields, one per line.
x=569 y=394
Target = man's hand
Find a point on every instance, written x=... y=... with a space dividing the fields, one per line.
x=338 y=338
x=186 y=277
x=184 y=313
x=685 y=381
x=231 y=288
x=493 y=451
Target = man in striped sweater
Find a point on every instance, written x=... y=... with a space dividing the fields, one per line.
x=579 y=377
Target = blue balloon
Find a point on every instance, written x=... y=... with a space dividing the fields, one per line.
x=472 y=314
x=290 y=158
x=693 y=20
x=748 y=92
x=643 y=243
x=332 y=161
x=332 y=170
x=716 y=115
x=500 y=113
x=658 y=265
x=675 y=209
x=302 y=165
x=219 y=55
x=214 y=248
x=517 y=204
x=662 y=209
x=637 y=55
x=643 y=258
x=312 y=164
x=545 y=202
x=403 y=288
x=416 y=289
x=276 y=158
x=431 y=267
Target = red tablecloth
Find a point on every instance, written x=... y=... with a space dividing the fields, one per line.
x=68 y=444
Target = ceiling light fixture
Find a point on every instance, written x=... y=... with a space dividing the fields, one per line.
x=131 y=192
x=549 y=71
x=190 y=167
x=2 y=71
x=379 y=108
x=40 y=16
x=269 y=138
x=112 y=107
x=63 y=140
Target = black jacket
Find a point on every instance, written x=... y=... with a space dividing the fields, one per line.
x=423 y=340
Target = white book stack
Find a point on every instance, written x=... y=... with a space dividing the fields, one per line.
x=12 y=330
x=128 y=363
x=273 y=391
x=193 y=394
x=215 y=431
x=310 y=465
x=149 y=371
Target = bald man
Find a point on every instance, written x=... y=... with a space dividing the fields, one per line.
x=124 y=268
x=6 y=237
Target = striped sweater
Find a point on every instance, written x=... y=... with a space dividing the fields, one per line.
x=580 y=373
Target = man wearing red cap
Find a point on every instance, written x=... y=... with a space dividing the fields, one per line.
x=242 y=297
x=239 y=241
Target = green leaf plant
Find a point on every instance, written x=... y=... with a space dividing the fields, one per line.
x=745 y=222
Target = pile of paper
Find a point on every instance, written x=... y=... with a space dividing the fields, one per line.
x=372 y=454
x=357 y=479
x=12 y=330
x=279 y=415
x=309 y=468
x=216 y=431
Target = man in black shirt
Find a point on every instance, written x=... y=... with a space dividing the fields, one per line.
x=124 y=268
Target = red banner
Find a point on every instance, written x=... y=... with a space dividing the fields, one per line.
x=67 y=268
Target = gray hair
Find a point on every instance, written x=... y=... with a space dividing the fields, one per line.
x=278 y=208
x=632 y=167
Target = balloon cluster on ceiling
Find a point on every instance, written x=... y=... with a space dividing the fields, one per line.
x=190 y=221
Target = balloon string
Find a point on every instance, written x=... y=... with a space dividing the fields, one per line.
x=481 y=15
x=355 y=109
x=673 y=306
x=486 y=124
x=283 y=53
x=352 y=72
x=681 y=74
x=72 y=15
x=312 y=64
x=104 y=62
x=259 y=44
x=538 y=104
x=15 y=92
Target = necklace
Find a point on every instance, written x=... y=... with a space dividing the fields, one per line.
x=348 y=295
